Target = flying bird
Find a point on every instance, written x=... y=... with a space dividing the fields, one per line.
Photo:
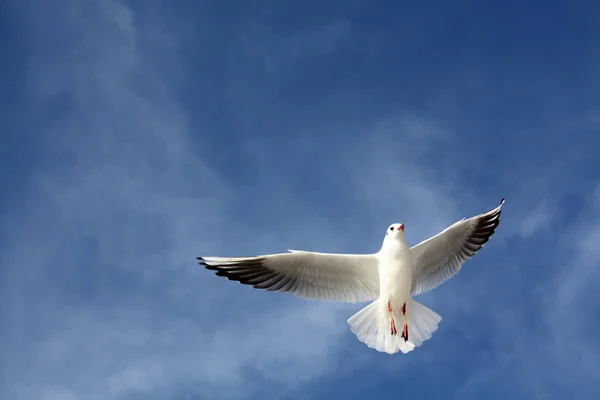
x=390 y=278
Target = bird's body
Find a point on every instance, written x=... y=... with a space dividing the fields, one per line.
x=395 y=276
x=390 y=278
x=395 y=271
x=385 y=324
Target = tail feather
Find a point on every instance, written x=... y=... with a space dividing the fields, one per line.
x=372 y=327
x=422 y=322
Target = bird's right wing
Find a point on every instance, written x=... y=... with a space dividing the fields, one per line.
x=318 y=276
x=441 y=256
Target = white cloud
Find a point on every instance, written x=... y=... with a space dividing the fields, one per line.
x=133 y=198
x=278 y=54
x=548 y=344
x=536 y=219
x=571 y=302
x=131 y=203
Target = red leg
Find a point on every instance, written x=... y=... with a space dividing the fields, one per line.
x=405 y=328
x=405 y=333
x=393 y=330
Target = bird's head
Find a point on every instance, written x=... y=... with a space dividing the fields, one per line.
x=395 y=231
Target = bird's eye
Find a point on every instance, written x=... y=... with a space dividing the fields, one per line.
x=391 y=228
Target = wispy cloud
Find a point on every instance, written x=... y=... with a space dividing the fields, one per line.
x=100 y=293
x=115 y=226
x=278 y=53
x=110 y=302
x=537 y=218
x=546 y=344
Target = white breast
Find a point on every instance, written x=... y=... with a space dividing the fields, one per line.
x=395 y=275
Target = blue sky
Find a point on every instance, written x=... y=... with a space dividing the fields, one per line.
x=139 y=135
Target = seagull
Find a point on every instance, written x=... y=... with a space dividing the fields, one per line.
x=389 y=279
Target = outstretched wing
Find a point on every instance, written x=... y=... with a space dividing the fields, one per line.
x=440 y=257
x=318 y=276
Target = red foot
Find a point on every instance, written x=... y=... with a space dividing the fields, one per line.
x=393 y=330
x=405 y=333
x=405 y=329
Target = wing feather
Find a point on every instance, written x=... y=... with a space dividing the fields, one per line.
x=318 y=276
x=440 y=257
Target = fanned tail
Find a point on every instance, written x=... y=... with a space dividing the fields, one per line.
x=372 y=326
x=422 y=322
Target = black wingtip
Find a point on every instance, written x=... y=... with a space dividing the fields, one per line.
x=202 y=261
x=210 y=267
x=502 y=201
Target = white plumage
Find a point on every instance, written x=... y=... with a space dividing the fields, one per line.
x=388 y=278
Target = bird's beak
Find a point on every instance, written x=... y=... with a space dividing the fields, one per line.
x=401 y=227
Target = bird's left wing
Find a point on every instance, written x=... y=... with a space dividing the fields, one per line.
x=318 y=276
x=440 y=257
